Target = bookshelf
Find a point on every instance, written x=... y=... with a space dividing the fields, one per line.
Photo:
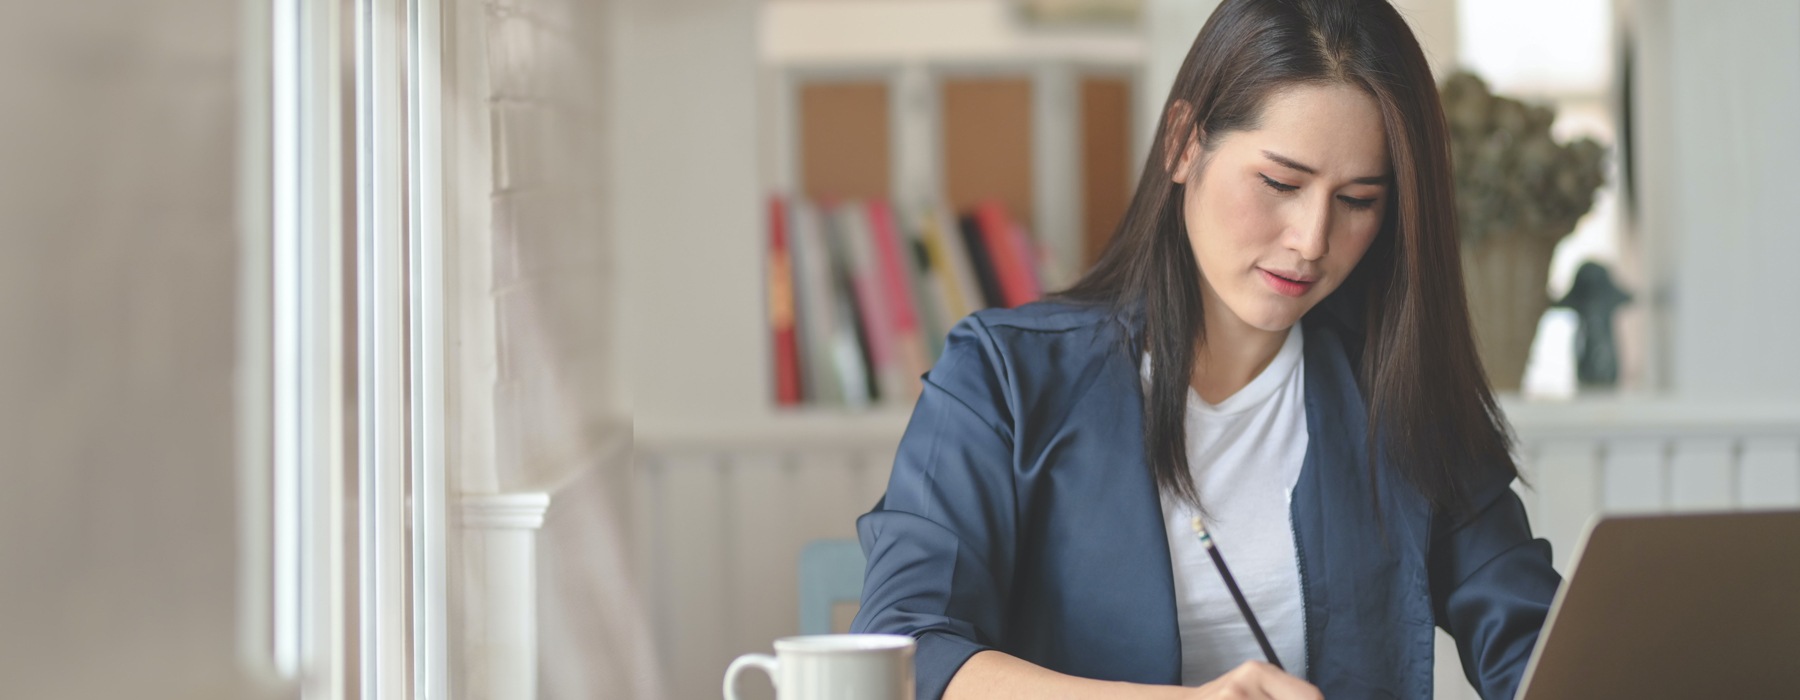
x=1040 y=122
x=706 y=125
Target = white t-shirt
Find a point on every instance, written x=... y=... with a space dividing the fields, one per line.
x=1245 y=454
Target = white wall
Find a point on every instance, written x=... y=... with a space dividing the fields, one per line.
x=835 y=31
x=1434 y=23
x=689 y=210
x=1169 y=30
x=1717 y=151
x=1171 y=25
x=118 y=346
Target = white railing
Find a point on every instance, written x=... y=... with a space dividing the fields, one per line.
x=1583 y=459
x=726 y=509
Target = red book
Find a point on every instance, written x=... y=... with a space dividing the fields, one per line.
x=1009 y=265
x=781 y=308
x=894 y=270
x=1028 y=251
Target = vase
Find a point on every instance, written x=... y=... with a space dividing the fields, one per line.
x=1505 y=274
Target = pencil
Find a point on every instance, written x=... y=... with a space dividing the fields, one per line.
x=1237 y=595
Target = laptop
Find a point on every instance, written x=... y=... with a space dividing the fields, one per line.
x=1676 y=606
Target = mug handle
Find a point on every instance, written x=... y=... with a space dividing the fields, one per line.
x=762 y=661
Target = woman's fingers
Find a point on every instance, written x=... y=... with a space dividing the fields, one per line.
x=1280 y=685
x=1255 y=680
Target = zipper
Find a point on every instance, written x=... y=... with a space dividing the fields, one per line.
x=1305 y=590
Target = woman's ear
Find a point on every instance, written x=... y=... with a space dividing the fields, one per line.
x=1182 y=139
x=1190 y=154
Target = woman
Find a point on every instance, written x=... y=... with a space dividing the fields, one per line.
x=1276 y=341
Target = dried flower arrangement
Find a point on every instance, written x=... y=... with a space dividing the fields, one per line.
x=1518 y=192
x=1511 y=176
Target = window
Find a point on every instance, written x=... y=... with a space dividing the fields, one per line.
x=355 y=580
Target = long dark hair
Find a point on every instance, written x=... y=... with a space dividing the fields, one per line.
x=1430 y=408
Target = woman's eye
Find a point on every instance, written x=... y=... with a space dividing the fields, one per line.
x=1277 y=185
x=1356 y=203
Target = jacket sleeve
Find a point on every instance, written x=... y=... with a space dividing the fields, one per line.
x=940 y=544
x=1492 y=584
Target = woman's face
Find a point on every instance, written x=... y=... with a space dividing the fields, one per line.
x=1280 y=215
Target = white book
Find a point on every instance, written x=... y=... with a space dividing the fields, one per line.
x=815 y=306
x=846 y=346
x=888 y=357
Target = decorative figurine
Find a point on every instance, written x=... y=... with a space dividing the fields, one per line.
x=1594 y=298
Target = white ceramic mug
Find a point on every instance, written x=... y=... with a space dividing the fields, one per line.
x=834 y=667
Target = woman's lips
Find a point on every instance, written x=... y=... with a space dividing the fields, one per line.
x=1286 y=286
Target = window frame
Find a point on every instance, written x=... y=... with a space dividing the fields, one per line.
x=345 y=528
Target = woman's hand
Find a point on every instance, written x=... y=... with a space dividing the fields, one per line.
x=1256 y=680
x=994 y=675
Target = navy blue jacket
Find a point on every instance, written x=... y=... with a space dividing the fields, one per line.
x=1021 y=517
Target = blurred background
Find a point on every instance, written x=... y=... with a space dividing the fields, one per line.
x=550 y=348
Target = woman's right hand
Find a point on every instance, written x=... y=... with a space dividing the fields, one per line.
x=1256 y=680
x=995 y=675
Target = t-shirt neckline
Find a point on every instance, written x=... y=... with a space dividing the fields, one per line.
x=1260 y=388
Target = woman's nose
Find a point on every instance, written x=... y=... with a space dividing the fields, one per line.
x=1310 y=235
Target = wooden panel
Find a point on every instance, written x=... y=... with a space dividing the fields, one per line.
x=1634 y=476
x=762 y=559
x=844 y=140
x=987 y=144
x=1105 y=167
x=1700 y=474
x=1526 y=486
x=1568 y=493
x=693 y=613
x=1769 y=473
x=826 y=485
x=872 y=476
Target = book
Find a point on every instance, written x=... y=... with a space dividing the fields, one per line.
x=980 y=262
x=860 y=296
x=817 y=301
x=786 y=351
x=950 y=259
x=1028 y=252
x=1011 y=278
x=929 y=286
x=859 y=352
x=930 y=297
x=894 y=266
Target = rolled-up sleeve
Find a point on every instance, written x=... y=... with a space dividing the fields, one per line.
x=1492 y=584
x=940 y=544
